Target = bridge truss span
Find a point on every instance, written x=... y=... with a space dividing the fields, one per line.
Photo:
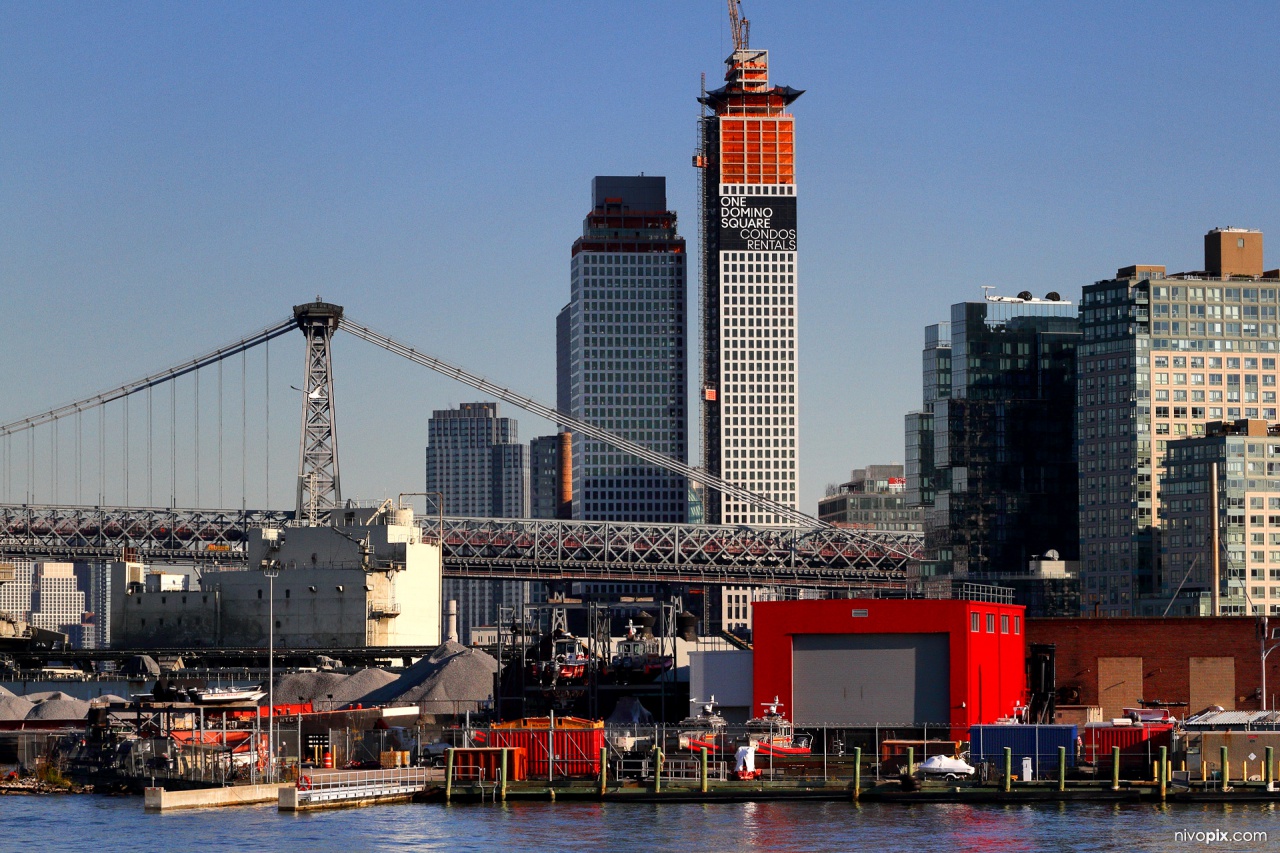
x=521 y=549
x=154 y=535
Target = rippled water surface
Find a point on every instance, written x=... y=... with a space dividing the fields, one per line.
x=119 y=823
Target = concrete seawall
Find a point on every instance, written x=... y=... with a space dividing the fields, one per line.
x=160 y=800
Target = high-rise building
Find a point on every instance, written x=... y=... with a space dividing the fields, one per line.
x=94 y=580
x=478 y=466
x=1247 y=517
x=57 y=604
x=747 y=174
x=919 y=468
x=15 y=595
x=1004 y=438
x=621 y=354
x=1162 y=355
x=544 y=476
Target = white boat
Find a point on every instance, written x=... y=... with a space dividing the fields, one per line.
x=225 y=695
x=946 y=767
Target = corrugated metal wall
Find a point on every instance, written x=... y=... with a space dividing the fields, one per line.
x=869 y=679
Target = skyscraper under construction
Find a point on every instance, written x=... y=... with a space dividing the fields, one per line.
x=746 y=162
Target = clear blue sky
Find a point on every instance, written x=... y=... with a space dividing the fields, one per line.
x=175 y=175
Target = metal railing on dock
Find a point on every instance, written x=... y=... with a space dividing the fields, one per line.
x=337 y=786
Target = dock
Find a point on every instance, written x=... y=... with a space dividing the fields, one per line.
x=330 y=789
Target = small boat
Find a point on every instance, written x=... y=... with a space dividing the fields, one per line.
x=772 y=734
x=704 y=729
x=225 y=695
x=946 y=767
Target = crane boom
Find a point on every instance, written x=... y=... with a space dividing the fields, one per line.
x=738 y=25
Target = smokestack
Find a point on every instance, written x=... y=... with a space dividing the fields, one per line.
x=451 y=621
x=564 y=496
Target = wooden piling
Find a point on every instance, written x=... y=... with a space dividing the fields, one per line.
x=1164 y=771
x=503 y=771
x=1062 y=768
x=1268 y=775
x=657 y=770
x=604 y=769
x=702 y=767
x=1008 y=769
x=857 y=772
x=448 y=774
x=911 y=760
x=1115 y=768
x=1225 y=763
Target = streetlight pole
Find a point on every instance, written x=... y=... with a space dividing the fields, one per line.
x=271 y=570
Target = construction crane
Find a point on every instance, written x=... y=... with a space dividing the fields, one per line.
x=739 y=25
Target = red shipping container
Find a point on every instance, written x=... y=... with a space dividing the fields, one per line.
x=484 y=764
x=1139 y=745
x=576 y=747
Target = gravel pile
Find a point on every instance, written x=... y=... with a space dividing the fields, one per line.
x=14 y=708
x=360 y=684
x=59 y=709
x=4 y=691
x=47 y=696
x=454 y=678
x=318 y=687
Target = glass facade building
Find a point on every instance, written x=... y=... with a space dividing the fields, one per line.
x=1004 y=439
x=919 y=470
x=621 y=352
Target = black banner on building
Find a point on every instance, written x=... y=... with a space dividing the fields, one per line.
x=758 y=223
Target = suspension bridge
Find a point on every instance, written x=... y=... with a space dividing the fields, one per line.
x=805 y=553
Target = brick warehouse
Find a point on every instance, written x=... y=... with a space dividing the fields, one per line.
x=1118 y=662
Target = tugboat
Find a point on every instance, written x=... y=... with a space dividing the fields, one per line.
x=772 y=734
x=563 y=661
x=638 y=659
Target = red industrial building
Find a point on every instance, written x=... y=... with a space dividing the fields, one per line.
x=863 y=662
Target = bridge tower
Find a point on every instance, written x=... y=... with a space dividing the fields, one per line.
x=319 y=491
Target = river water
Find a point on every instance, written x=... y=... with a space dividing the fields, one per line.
x=119 y=823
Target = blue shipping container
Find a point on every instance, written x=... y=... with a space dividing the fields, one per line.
x=1039 y=743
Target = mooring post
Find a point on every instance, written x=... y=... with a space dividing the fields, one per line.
x=1225 y=763
x=911 y=760
x=702 y=757
x=657 y=770
x=1008 y=768
x=1269 y=775
x=1062 y=768
x=1164 y=771
x=448 y=774
x=604 y=769
x=505 y=765
x=1115 y=768
x=857 y=772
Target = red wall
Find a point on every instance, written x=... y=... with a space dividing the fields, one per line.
x=988 y=670
x=1166 y=646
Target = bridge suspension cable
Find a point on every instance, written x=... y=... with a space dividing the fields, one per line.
x=147 y=382
x=444 y=368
